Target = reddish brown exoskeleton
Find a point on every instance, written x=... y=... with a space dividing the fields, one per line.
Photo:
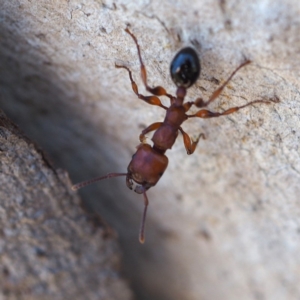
x=149 y=163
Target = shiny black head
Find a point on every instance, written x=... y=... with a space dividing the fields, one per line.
x=185 y=67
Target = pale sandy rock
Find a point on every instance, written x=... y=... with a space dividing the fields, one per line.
x=223 y=223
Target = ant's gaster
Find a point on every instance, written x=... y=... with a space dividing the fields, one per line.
x=149 y=163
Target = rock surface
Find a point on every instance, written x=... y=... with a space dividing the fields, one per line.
x=222 y=223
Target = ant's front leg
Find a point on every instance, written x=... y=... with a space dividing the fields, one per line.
x=150 y=128
x=157 y=91
x=190 y=145
x=153 y=100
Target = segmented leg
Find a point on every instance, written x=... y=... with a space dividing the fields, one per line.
x=153 y=100
x=204 y=113
x=188 y=105
x=201 y=103
x=190 y=145
x=158 y=90
x=150 y=128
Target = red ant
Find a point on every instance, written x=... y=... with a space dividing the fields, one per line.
x=148 y=164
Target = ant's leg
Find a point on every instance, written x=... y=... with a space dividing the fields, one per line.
x=204 y=113
x=153 y=100
x=152 y=127
x=190 y=145
x=157 y=91
x=201 y=103
x=187 y=105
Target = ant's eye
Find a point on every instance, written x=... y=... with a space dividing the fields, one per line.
x=185 y=67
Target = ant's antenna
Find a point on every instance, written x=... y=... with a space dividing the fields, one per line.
x=142 y=230
x=112 y=175
x=90 y=181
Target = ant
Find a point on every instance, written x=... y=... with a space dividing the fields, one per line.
x=149 y=163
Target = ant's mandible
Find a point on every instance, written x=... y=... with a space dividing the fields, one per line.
x=149 y=163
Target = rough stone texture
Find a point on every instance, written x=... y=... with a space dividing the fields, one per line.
x=49 y=247
x=223 y=223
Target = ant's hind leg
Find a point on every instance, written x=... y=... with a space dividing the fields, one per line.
x=153 y=100
x=201 y=103
x=157 y=91
x=190 y=145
